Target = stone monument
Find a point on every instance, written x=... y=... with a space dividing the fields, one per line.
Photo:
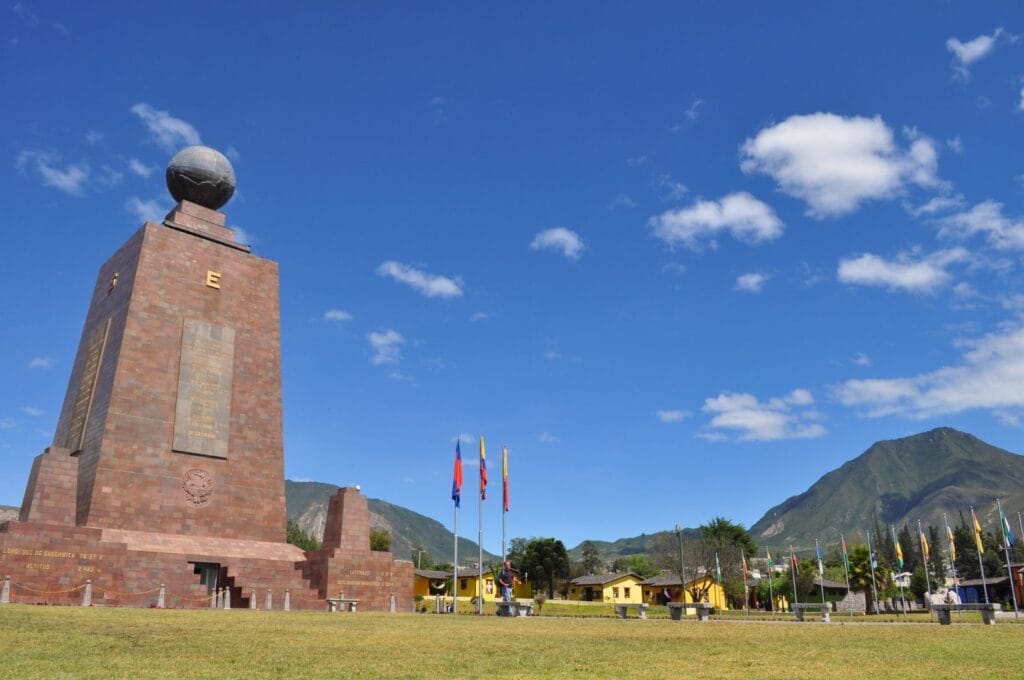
x=167 y=464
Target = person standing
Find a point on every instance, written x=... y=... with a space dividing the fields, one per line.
x=507 y=579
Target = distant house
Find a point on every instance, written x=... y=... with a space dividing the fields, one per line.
x=607 y=588
x=668 y=588
x=428 y=582
x=973 y=590
x=469 y=584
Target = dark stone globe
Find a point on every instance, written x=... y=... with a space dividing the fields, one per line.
x=201 y=175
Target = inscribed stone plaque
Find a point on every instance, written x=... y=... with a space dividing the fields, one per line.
x=202 y=414
x=87 y=387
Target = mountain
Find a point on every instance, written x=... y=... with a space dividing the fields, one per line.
x=910 y=479
x=307 y=504
x=624 y=547
x=8 y=512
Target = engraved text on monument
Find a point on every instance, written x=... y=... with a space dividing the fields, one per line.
x=203 y=411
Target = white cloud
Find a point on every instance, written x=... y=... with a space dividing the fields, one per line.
x=739 y=214
x=955 y=145
x=70 y=179
x=548 y=438
x=233 y=154
x=966 y=53
x=337 y=315
x=751 y=419
x=561 y=239
x=908 y=272
x=387 y=346
x=935 y=205
x=751 y=282
x=243 y=236
x=40 y=362
x=169 y=132
x=622 y=201
x=93 y=137
x=674 y=415
x=147 y=211
x=669 y=189
x=986 y=218
x=861 y=359
x=464 y=437
x=691 y=114
x=1020 y=105
x=428 y=284
x=7 y=424
x=551 y=355
x=140 y=168
x=479 y=316
x=32 y=411
x=834 y=163
x=988 y=376
x=636 y=161
x=398 y=376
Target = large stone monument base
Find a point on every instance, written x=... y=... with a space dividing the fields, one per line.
x=50 y=560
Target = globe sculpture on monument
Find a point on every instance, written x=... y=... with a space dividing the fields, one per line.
x=164 y=485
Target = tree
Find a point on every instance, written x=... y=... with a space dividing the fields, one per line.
x=590 y=558
x=517 y=552
x=882 y=541
x=639 y=564
x=860 y=572
x=296 y=536
x=546 y=561
x=911 y=549
x=936 y=565
x=380 y=539
x=719 y=537
x=421 y=557
x=918 y=583
x=721 y=533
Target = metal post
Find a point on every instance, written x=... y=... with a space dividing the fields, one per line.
x=871 y=563
x=161 y=599
x=771 y=596
x=977 y=543
x=5 y=593
x=903 y=594
x=287 y=600
x=87 y=595
x=792 y=571
x=480 y=538
x=268 y=601
x=455 y=565
x=682 y=565
x=1006 y=549
x=927 y=579
x=952 y=562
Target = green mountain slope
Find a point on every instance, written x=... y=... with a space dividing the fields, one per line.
x=8 y=512
x=909 y=479
x=624 y=547
x=307 y=504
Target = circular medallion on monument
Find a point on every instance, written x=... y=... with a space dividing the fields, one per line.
x=201 y=175
x=198 y=486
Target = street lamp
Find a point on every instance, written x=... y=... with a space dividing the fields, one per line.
x=419 y=557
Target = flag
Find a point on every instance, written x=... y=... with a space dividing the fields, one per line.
x=846 y=556
x=746 y=572
x=977 y=532
x=899 y=550
x=924 y=546
x=504 y=475
x=821 y=565
x=1007 y=531
x=952 y=544
x=792 y=559
x=771 y=565
x=718 y=568
x=874 y=560
x=483 y=470
x=457 y=477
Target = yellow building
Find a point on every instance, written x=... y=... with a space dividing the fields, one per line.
x=666 y=588
x=429 y=583
x=606 y=588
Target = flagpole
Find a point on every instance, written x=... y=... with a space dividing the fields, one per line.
x=1004 y=526
x=504 y=502
x=792 y=570
x=455 y=566
x=746 y=592
x=871 y=562
x=480 y=544
x=682 y=567
x=771 y=597
x=846 y=564
x=952 y=561
x=979 y=547
x=903 y=594
x=821 y=570
x=927 y=579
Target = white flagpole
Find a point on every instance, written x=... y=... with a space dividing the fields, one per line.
x=821 y=570
x=903 y=594
x=952 y=562
x=455 y=567
x=871 y=563
x=1006 y=549
x=480 y=563
x=927 y=579
x=977 y=542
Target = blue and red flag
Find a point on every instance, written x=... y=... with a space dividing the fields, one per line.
x=457 y=476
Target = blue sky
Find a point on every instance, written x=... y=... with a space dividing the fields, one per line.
x=701 y=246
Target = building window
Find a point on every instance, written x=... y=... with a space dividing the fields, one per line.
x=462 y=584
x=625 y=592
x=615 y=592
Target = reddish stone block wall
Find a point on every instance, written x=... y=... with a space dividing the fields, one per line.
x=51 y=490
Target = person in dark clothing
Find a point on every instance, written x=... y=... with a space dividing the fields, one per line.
x=507 y=579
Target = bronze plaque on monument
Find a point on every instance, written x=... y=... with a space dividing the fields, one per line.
x=202 y=414
x=87 y=388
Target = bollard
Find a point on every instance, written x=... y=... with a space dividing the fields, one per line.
x=227 y=598
x=287 y=600
x=5 y=593
x=252 y=597
x=87 y=595
x=268 y=602
x=161 y=599
x=213 y=600
x=391 y=604
x=437 y=604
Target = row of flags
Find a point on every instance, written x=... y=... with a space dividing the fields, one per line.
x=457 y=475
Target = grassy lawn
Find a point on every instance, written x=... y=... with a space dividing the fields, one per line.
x=52 y=642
